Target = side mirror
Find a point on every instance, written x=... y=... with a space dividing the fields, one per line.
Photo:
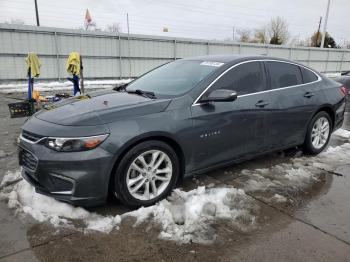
x=220 y=95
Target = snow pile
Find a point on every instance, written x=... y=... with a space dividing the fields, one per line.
x=23 y=198
x=187 y=216
x=60 y=86
x=342 y=133
x=278 y=198
x=183 y=217
x=10 y=178
x=332 y=75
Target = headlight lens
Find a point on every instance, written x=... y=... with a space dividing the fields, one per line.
x=75 y=144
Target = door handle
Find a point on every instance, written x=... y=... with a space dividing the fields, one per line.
x=309 y=94
x=261 y=103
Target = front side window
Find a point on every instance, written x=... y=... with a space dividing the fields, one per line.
x=244 y=79
x=308 y=76
x=283 y=74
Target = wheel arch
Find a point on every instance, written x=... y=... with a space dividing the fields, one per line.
x=158 y=136
x=326 y=108
x=329 y=110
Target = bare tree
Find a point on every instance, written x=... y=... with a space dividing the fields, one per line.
x=244 y=35
x=278 y=31
x=114 y=28
x=260 y=35
x=329 y=40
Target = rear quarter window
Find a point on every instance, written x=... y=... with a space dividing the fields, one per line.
x=308 y=75
x=283 y=74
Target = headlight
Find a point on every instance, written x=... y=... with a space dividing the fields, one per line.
x=75 y=144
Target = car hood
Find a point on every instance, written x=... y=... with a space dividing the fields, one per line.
x=99 y=108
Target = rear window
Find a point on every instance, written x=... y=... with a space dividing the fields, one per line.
x=308 y=76
x=283 y=74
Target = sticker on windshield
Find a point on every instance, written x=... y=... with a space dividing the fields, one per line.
x=209 y=63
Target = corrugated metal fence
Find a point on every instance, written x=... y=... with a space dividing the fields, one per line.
x=108 y=55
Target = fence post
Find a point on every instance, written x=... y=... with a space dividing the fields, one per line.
x=309 y=57
x=120 y=57
x=207 y=48
x=327 y=61
x=341 y=61
x=267 y=50
x=57 y=57
x=174 y=49
x=240 y=48
x=129 y=59
x=290 y=53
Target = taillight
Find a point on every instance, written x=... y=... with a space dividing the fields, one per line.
x=344 y=90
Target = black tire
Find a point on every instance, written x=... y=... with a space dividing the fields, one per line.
x=119 y=182
x=308 y=147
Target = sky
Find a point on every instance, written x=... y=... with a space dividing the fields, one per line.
x=194 y=19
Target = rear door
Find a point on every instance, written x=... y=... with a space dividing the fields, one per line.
x=292 y=103
x=228 y=130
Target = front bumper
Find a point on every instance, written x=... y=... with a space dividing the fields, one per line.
x=79 y=178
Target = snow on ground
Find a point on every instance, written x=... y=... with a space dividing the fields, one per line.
x=22 y=87
x=183 y=217
x=23 y=198
x=342 y=133
x=295 y=177
x=187 y=216
x=331 y=75
x=278 y=198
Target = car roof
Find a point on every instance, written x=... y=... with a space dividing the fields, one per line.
x=234 y=57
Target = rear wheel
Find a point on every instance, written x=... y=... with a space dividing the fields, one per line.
x=146 y=174
x=318 y=133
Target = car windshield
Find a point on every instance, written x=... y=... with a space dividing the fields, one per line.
x=174 y=79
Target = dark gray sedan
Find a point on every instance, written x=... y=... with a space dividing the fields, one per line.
x=186 y=117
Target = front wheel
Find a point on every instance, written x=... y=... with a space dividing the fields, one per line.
x=146 y=174
x=318 y=133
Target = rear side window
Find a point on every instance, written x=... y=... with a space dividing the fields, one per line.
x=308 y=76
x=283 y=74
x=244 y=79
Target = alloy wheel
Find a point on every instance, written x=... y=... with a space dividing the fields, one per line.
x=149 y=175
x=320 y=132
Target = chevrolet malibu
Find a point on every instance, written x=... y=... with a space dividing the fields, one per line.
x=136 y=142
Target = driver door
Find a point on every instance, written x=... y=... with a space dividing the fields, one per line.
x=231 y=130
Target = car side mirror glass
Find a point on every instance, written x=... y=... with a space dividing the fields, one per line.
x=220 y=95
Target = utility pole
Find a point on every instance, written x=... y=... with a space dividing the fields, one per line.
x=127 y=21
x=318 y=31
x=233 y=33
x=325 y=25
x=37 y=13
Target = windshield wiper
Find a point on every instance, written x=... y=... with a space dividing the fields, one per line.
x=147 y=94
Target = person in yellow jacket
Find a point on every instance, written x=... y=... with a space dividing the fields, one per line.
x=73 y=67
x=33 y=70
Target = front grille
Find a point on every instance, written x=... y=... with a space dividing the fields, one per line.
x=31 y=136
x=27 y=159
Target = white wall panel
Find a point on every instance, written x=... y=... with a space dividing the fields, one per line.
x=101 y=52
